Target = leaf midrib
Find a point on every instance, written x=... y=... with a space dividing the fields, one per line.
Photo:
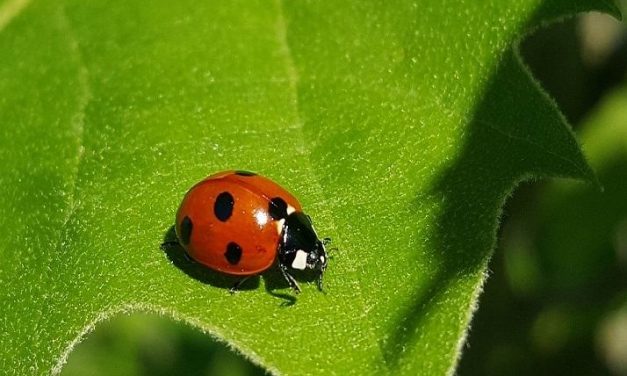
x=293 y=81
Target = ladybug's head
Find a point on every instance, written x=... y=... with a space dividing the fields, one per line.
x=318 y=259
x=301 y=248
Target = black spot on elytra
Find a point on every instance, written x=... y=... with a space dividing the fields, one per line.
x=277 y=208
x=233 y=253
x=244 y=173
x=223 y=207
x=186 y=230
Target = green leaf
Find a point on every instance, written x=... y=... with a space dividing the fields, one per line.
x=401 y=126
x=597 y=225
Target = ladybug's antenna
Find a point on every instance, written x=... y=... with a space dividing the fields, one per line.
x=325 y=242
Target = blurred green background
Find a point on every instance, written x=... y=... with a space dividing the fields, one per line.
x=556 y=299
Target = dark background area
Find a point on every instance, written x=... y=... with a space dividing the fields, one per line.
x=556 y=298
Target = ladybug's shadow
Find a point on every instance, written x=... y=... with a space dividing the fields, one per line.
x=273 y=278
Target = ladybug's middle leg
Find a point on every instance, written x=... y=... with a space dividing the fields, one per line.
x=238 y=284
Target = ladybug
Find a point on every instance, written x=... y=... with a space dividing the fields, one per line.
x=241 y=224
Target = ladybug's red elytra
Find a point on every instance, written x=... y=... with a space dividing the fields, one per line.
x=240 y=223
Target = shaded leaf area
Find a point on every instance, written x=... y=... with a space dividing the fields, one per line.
x=401 y=126
x=557 y=303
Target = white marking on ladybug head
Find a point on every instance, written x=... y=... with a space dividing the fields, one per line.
x=300 y=261
x=290 y=209
x=322 y=259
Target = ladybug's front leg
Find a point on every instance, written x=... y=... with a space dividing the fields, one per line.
x=319 y=282
x=289 y=278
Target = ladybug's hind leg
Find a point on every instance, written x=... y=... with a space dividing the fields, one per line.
x=169 y=244
x=172 y=245
x=288 y=277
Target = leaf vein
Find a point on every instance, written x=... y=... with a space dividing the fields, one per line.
x=78 y=120
x=534 y=144
x=293 y=84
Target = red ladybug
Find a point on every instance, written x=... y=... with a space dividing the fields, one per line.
x=240 y=223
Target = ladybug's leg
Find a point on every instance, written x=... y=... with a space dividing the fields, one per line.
x=288 y=277
x=171 y=244
x=237 y=285
x=319 y=282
